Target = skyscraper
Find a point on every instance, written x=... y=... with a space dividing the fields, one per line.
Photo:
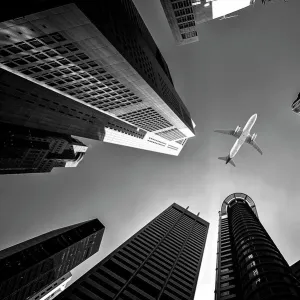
x=184 y=15
x=29 y=267
x=26 y=150
x=161 y=261
x=249 y=265
x=93 y=68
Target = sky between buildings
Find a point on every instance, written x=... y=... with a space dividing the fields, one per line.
x=240 y=66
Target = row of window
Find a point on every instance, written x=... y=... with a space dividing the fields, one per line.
x=182 y=12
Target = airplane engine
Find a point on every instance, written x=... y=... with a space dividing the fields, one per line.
x=237 y=129
x=253 y=137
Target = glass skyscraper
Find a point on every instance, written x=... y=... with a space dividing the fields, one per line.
x=161 y=261
x=249 y=265
x=31 y=266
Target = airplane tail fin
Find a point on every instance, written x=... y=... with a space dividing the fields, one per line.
x=228 y=160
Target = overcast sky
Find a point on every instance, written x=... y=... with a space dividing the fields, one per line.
x=240 y=66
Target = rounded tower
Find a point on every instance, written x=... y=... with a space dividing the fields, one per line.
x=249 y=265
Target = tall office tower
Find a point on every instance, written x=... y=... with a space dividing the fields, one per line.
x=30 y=267
x=53 y=289
x=161 y=261
x=184 y=15
x=26 y=150
x=92 y=68
x=249 y=265
x=296 y=269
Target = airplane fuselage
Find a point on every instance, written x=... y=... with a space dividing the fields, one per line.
x=241 y=140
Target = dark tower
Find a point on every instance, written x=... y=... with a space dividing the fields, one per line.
x=29 y=150
x=29 y=267
x=161 y=261
x=249 y=265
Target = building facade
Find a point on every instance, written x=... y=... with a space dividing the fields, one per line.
x=53 y=289
x=161 y=261
x=34 y=265
x=99 y=71
x=296 y=269
x=184 y=15
x=249 y=265
x=27 y=150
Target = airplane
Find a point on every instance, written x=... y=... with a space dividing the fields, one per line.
x=242 y=135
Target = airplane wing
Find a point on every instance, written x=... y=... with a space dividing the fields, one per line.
x=230 y=132
x=254 y=144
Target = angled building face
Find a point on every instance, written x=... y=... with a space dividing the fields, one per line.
x=35 y=265
x=249 y=265
x=104 y=60
x=161 y=261
x=184 y=15
x=296 y=269
x=53 y=289
x=27 y=150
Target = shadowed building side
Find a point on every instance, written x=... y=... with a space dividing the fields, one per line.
x=296 y=269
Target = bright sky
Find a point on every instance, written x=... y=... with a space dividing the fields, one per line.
x=240 y=66
x=224 y=7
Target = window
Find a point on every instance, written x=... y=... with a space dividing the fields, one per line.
x=224 y=270
x=224 y=284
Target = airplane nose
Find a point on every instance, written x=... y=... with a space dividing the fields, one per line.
x=254 y=116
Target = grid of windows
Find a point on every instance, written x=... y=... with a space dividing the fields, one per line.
x=135 y=51
x=171 y=134
x=187 y=25
x=69 y=61
x=174 y=102
x=172 y=147
x=185 y=19
x=227 y=281
x=155 y=141
x=181 y=142
x=189 y=35
x=131 y=131
x=58 y=63
x=147 y=118
x=183 y=12
x=161 y=260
